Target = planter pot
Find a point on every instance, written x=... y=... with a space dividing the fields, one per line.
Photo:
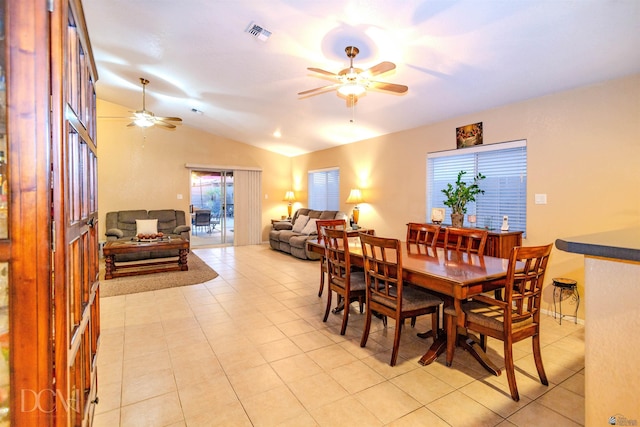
x=457 y=219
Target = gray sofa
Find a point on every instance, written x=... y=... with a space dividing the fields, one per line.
x=286 y=238
x=121 y=225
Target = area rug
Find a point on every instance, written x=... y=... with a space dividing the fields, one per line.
x=199 y=272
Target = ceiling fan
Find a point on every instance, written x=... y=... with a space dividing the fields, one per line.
x=354 y=82
x=144 y=118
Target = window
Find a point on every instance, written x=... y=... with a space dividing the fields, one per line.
x=505 y=185
x=324 y=189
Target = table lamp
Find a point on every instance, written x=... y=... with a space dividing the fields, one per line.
x=355 y=197
x=289 y=197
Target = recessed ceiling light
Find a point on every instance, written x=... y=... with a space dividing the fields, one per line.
x=277 y=134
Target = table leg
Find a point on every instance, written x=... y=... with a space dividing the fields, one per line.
x=182 y=261
x=439 y=345
x=470 y=344
x=109 y=266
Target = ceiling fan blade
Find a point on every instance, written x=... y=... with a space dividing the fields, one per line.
x=391 y=87
x=382 y=67
x=165 y=124
x=321 y=71
x=318 y=89
x=173 y=119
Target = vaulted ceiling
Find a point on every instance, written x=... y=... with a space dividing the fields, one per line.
x=456 y=57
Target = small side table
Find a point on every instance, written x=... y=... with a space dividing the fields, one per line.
x=563 y=289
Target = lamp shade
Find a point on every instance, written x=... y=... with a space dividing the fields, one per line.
x=289 y=196
x=355 y=196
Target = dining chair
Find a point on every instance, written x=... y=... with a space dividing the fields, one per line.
x=348 y=285
x=511 y=319
x=320 y=225
x=422 y=234
x=386 y=292
x=471 y=240
x=419 y=237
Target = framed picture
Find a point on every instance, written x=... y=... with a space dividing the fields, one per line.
x=469 y=135
x=437 y=215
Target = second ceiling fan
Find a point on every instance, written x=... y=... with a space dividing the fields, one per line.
x=145 y=118
x=353 y=82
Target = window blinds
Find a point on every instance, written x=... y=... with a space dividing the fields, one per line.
x=324 y=189
x=505 y=185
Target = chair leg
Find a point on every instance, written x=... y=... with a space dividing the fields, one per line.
x=322 y=261
x=413 y=321
x=452 y=336
x=328 y=309
x=396 y=342
x=345 y=316
x=537 y=356
x=509 y=367
x=367 y=327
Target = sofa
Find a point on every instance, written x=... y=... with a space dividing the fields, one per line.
x=124 y=225
x=291 y=236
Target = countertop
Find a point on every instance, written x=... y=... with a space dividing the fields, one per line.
x=618 y=244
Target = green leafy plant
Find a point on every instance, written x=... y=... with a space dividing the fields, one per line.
x=462 y=193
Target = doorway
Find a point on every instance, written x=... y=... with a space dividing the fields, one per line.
x=212 y=191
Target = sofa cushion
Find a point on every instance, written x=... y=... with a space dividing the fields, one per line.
x=311 y=227
x=168 y=219
x=299 y=241
x=286 y=235
x=328 y=215
x=282 y=225
x=301 y=221
x=146 y=226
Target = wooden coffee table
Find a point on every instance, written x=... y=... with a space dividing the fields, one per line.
x=114 y=247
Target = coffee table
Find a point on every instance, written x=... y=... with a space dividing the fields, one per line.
x=114 y=247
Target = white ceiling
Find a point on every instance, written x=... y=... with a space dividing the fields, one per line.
x=457 y=57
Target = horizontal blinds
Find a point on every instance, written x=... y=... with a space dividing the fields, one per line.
x=505 y=185
x=324 y=189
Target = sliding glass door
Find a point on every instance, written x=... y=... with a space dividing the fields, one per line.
x=212 y=192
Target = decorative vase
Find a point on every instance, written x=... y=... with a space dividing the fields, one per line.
x=457 y=219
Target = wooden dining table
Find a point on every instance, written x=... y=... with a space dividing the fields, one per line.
x=454 y=275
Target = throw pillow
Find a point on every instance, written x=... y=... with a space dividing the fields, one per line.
x=311 y=227
x=301 y=221
x=146 y=226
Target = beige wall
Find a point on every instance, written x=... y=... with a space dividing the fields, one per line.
x=145 y=168
x=583 y=152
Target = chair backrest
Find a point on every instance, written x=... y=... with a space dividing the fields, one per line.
x=422 y=234
x=338 y=259
x=523 y=289
x=203 y=217
x=383 y=270
x=471 y=240
x=340 y=224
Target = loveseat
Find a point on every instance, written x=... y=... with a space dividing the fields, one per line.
x=291 y=236
x=124 y=225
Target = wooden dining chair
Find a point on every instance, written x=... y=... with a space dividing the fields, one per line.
x=422 y=234
x=510 y=320
x=320 y=225
x=386 y=293
x=419 y=237
x=471 y=240
x=348 y=285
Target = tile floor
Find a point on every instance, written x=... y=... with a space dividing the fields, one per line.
x=249 y=348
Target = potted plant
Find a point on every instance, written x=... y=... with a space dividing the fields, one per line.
x=460 y=195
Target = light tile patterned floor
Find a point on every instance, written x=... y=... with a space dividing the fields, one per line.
x=250 y=349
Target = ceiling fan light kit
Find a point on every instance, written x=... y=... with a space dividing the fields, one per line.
x=354 y=82
x=144 y=118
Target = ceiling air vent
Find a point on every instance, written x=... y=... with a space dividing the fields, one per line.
x=258 y=32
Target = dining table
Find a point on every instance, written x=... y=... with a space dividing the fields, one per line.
x=454 y=275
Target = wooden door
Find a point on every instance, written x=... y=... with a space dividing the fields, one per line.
x=75 y=216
